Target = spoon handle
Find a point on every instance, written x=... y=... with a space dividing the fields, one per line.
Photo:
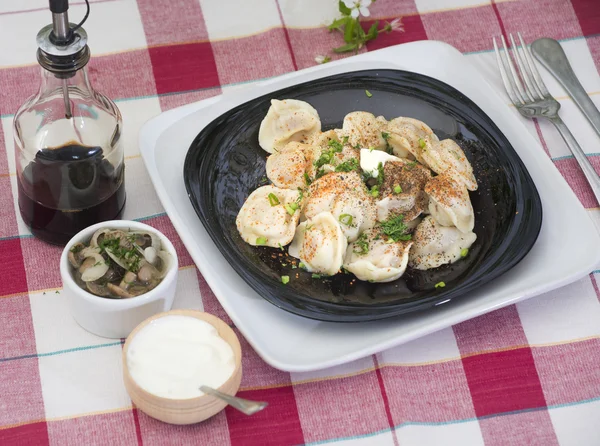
x=246 y=406
x=551 y=55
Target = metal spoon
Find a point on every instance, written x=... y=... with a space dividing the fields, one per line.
x=246 y=406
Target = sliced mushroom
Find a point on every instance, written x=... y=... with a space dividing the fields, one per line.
x=166 y=261
x=146 y=273
x=150 y=255
x=117 y=291
x=97 y=289
x=74 y=256
x=95 y=241
x=95 y=267
x=128 y=279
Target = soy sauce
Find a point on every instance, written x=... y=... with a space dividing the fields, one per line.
x=68 y=188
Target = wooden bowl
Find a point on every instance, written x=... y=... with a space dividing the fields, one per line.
x=189 y=410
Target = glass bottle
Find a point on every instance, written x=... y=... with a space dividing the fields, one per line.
x=69 y=157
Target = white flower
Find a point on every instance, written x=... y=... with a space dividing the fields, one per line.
x=322 y=59
x=358 y=6
x=397 y=25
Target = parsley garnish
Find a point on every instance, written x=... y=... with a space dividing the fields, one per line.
x=336 y=146
x=345 y=140
x=385 y=135
x=307 y=179
x=380 y=174
x=347 y=166
x=411 y=165
x=395 y=228
x=76 y=248
x=362 y=244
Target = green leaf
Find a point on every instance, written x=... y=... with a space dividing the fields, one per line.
x=338 y=23
x=345 y=48
x=349 y=31
x=343 y=8
x=373 y=32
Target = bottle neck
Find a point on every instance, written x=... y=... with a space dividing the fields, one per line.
x=80 y=81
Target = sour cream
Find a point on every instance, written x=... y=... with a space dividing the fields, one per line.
x=174 y=355
x=370 y=160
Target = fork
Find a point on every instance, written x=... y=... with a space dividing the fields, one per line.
x=531 y=97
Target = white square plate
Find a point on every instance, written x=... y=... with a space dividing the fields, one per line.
x=296 y=344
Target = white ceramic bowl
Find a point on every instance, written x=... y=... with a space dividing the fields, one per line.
x=116 y=318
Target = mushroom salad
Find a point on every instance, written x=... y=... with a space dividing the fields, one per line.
x=119 y=264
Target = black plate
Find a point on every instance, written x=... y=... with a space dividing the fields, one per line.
x=225 y=163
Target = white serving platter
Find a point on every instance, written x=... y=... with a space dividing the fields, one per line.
x=297 y=344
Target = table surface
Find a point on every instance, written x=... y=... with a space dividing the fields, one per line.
x=525 y=374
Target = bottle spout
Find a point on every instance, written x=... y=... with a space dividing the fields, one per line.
x=61 y=31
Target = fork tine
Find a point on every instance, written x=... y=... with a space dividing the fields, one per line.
x=515 y=76
x=508 y=85
x=539 y=83
x=524 y=70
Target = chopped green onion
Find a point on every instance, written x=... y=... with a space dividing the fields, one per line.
x=291 y=208
x=464 y=252
x=440 y=285
x=368 y=93
x=280 y=246
x=273 y=200
x=385 y=135
x=336 y=146
x=261 y=241
x=294 y=267
x=371 y=149
x=362 y=244
x=316 y=276
x=397 y=189
x=285 y=279
x=422 y=143
x=375 y=193
x=302 y=265
x=346 y=219
x=345 y=140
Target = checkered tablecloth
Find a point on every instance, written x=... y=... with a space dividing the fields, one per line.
x=526 y=374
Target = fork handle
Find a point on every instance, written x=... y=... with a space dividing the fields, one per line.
x=579 y=154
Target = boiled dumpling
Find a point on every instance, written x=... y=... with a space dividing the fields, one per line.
x=287 y=120
x=269 y=216
x=345 y=196
x=407 y=137
x=447 y=157
x=436 y=245
x=320 y=244
x=449 y=203
x=402 y=190
x=364 y=130
x=287 y=167
x=371 y=258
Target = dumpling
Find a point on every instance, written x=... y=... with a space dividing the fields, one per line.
x=364 y=130
x=370 y=160
x=320 y=244
x=449 y=203
x=371 y=258
x=436 y=245
x=287 y=120
x=345 y=196
x=269 y=216
x=286 y=168
x=447 y=157
x=407 y=137
x=402 y=190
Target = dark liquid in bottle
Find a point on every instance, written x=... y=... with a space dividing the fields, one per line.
x=68 y=188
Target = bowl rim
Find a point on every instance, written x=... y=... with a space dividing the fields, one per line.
x=309 y=307
x=203 y=316
x=66 y=275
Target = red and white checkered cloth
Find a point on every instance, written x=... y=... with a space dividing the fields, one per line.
x=527 y=374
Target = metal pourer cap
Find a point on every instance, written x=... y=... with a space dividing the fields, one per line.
x=61 y=50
